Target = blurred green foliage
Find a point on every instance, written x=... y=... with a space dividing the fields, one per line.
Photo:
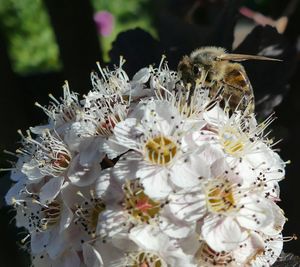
x=31 y=41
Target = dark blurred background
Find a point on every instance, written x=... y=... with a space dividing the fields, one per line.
x=44 y=42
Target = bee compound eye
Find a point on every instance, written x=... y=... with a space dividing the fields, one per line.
x=196 y=69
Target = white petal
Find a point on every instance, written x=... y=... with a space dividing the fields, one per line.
x=126 y=133
x=155 y=182
x=221 y=234
x=66 y=217
x=83 y=176
x=149 y=238
x=57 y=244
x=51 y=189
x=188 y=205
x=249 y=249
x=187 y=173
x=142 y=76
x=175 y=228
x=91 y=256
x=39 y=240
x=14 y=193
x=32 y=171
x=89 y=152
x=112 y=149
x=102 y=183
x=127 y=166
x=256 y=213
x=70 y=259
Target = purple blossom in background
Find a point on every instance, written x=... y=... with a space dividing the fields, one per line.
x=104 y=22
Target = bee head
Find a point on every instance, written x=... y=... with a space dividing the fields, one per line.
x=190 y=72
x=206 y=60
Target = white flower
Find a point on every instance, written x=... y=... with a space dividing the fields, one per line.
x=242 y=256
x=60 y=112
x=145 y=246
x=245 y=145
x=87 y=204
x=49 y=156
x=160 y=159
x=128 y=206
x=47 y=223
x=225 y=209
x=95 y=128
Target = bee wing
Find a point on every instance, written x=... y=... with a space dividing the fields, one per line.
x=241 y=57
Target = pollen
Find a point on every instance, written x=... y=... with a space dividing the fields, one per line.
x=138 y=204
x=160 y=150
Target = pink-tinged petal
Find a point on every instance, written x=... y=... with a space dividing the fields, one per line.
x=104 y=22
x=221 y=233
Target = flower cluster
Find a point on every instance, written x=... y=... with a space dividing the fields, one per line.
x=140 y=173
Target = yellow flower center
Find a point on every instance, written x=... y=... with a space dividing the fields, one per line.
x=145 y=259
x=160 y=150
x=138 y=204
x=220 y=197
x=233 y=141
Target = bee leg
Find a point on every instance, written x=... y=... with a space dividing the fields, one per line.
x=191 y=90
x=216 y=98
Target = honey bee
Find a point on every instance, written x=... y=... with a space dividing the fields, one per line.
x=212 y=67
